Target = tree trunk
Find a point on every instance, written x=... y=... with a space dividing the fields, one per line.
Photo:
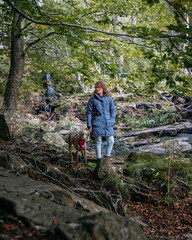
x=17 y=65
x=10 y=123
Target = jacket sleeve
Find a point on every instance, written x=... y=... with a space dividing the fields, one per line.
x=112 y=111
x=89 y=112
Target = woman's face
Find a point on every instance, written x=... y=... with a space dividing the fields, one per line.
x=99 y=90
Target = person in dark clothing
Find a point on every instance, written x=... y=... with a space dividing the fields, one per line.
x=101 y=118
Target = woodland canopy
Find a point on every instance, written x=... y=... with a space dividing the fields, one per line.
x=141 y=45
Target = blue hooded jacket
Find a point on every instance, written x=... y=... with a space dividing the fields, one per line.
x=101 y=115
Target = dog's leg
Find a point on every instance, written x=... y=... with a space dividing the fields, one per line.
x=70 y=152
x=77 y=156
x=85 y=155
x=82 y=155
x=70 y=148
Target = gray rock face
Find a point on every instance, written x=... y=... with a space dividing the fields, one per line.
x=54 y=139
x=168 y=130
x=15 y=124
x=41 y=203
x=177 y=137
x=102 y=168
x=169 y=146
x=186 y=114
x=24 y=186
x=109 y=166
x=11 y=125
x=10 y=161
x=104 y=226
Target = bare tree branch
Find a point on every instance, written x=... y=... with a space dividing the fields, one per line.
x=179 y=13
x=86 y=3
x=1 y=83
x=71 y=5
x=26 y=26
x=28 y=29
x=68 y=24
x=39 y=39
x=88 y=28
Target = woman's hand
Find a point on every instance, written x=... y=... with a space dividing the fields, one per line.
x=90 y=129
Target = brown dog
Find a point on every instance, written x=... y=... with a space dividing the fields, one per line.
x=78 y=140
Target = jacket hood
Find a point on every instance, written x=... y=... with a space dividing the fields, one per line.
x=100 y=98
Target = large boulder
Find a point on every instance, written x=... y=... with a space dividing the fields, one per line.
x=162 y=131
x=41 y=204
x=11 y=161
x=12 y=185
x=109 y=166
x=36 y=101
x=54 y=139
x=11 y=125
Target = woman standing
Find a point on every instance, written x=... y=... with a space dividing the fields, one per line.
x=101 y=118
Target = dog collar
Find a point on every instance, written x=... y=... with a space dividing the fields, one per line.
x=81 y=144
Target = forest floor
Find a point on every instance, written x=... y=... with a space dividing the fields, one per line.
x=165 y=222
x=158 y=218
x=165 y=217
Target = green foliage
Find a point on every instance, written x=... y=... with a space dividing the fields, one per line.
x=116 y=185
x=32 y=127
x=147 y=120
x=4 y=69
x=150 y=167
x=174 y=53
x=157 y=50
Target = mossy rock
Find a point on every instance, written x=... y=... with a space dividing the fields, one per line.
x=134 y=156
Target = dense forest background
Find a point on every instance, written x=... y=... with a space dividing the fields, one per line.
x=51 y=54
x=141 y=46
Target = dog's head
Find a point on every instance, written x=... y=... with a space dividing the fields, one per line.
x=83 y=135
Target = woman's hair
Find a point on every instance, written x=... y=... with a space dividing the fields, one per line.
x=102 y=85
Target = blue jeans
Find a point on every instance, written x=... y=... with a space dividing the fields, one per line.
x=108 y=148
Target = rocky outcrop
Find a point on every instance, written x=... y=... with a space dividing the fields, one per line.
x=181 y=106
x=171 y=146
x=109 y=166
x=11 y=161
x=11 y=125
x=160 y=140
x=168 y=130
x=41 y=204
x=54 y=139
